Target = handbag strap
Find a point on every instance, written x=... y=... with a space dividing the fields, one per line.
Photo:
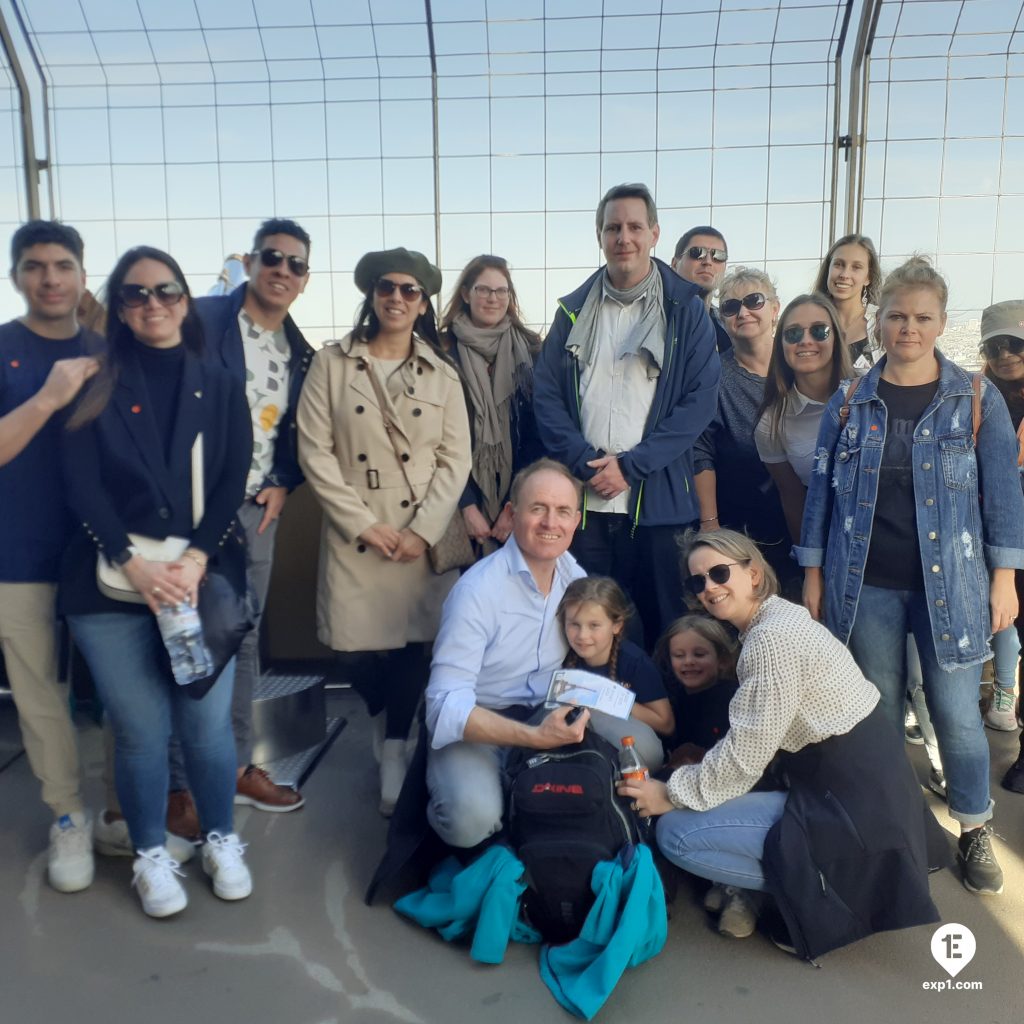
x=844 y=409
x=389 y=424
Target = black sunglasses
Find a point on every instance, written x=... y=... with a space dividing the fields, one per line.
x=755 y=300
x=699 y=252
x=794 y=334
x=385 y=287
x=133 y=296
x=1003 y=342
x=272 y=258
x=717 y=574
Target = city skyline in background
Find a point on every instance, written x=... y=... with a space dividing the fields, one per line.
x=185 y=125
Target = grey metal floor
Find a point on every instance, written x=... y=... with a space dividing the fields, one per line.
x=305 y=950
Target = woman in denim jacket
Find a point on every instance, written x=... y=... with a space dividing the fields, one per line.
x=895 y=537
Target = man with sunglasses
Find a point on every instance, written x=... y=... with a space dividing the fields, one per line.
x=42 y=369
x=625 y=384
x=251 y=332
x=702 y=257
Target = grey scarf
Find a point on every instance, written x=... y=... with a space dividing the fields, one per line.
x=496 y=363
x=648 y=333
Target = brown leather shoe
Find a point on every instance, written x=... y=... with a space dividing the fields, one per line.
x=182 y=816
x=257 y=789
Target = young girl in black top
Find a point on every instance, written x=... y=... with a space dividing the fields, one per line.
x=593 y=614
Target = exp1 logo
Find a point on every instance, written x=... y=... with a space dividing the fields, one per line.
x=953 y=947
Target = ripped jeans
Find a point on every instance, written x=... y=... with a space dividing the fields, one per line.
x=878 y=645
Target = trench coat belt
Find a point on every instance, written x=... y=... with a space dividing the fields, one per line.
x=366 y=476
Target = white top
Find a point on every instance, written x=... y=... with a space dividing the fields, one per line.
x=798 y=685
x=616 y=391
x=266 y=388
x=498 y=643
x=797 y=439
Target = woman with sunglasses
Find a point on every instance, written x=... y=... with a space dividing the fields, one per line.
x=850 y=276
x=1002 y=346
x=733 y=487
x=808 y=362
x=840 y=841
x=896 y=538
x=384 y=442
x=483 y=331
x=128 y=470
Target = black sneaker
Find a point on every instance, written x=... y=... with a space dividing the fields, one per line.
x=937 y=782
x=1013 y=780
x=981 y=871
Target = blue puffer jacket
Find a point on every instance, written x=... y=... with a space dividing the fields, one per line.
x=659 y=469
x=959 y=537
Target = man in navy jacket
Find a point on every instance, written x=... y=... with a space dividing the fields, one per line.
x=625 y=383
x=251 y=333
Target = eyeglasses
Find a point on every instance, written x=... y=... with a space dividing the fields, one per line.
x=755 y=300
x=385 y=287
x=717 y=574
x=133 y=296
x=1002 y=343
x=700 y=252
x=272 y=258
x=794 y=334
x=483 y=292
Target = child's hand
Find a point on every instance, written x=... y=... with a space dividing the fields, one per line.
x=687 y=753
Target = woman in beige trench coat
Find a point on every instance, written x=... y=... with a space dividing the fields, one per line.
x=378 y=600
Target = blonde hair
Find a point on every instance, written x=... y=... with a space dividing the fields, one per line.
x=736 y=546
x=747 y=275
x=916 y=273
x=606 y=593
x=710 y=630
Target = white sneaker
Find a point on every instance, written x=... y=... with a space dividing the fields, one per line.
x=155 y=878
x=69 y=863
x=224 y=863
x=111 y=839
x=739 y=917
x=1002 y=714
x=392 y=774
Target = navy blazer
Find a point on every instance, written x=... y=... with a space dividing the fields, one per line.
x=219 y=316
x=118 y=479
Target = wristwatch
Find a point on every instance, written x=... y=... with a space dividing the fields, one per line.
x=120 y=560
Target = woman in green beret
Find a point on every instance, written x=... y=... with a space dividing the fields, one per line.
x=384 y=442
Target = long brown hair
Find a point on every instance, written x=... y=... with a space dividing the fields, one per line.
x=869 y=296
x=781 y=380
x=605 y=592
x=473 y=269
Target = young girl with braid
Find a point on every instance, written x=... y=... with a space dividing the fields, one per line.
x=593 y=614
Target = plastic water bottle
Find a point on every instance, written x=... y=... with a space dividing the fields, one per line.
x=182 y=632
x=631 y=764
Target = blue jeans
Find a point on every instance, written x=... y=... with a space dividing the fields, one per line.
x=129 y=665
x=725 y=844
x=877 y=643
x=1006 y=647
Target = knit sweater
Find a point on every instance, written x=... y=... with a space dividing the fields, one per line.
x=798 y=685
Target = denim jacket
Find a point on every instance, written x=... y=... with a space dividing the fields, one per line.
x=960 y=538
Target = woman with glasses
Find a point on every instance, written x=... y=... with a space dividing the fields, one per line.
x=1002 y=346
x=914 y=522
x=733 y=487
x=483 y=331
x=384 y=443
x=807 y=363
x=128 y=469
x=840 y=840
x=850 y=276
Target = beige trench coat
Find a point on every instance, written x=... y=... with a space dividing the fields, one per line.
x=365 y=602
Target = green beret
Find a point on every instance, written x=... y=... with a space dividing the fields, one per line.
x=375 y=265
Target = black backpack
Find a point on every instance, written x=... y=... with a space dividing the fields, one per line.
x=563 y=817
